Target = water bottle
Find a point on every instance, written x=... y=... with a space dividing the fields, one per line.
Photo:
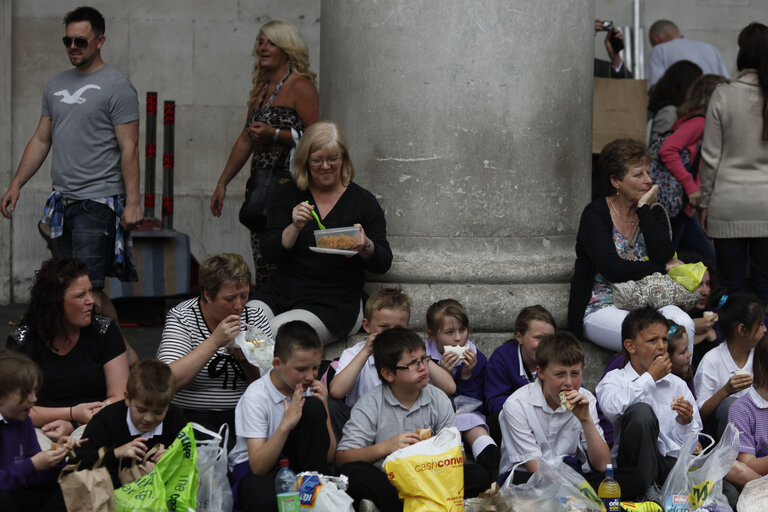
x=609 y=491
x=287 y=492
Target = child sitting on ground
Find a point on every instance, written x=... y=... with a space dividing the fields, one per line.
x=652 y=411
x=387 y=417
x=129 y=428
x=27 y=475
x=284 y=413
x=356 y=373
x=556 y=419
x=725 y=372
x=749 y=414
x=513 y=364
x=680 y=354
x=448 y=330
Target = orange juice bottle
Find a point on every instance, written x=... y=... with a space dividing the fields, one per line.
x=609 y=491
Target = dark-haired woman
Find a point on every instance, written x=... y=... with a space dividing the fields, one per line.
x=668 y=94
x=621 y=238
x=81 y=353
x=734 y=171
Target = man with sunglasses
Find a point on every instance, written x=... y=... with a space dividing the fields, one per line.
x=90 y=117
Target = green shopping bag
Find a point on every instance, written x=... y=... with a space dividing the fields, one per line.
x=171 y=486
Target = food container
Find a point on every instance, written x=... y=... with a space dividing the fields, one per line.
x=257 y=346
x=338 y=238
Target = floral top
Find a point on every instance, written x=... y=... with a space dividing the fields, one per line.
x=602 y=293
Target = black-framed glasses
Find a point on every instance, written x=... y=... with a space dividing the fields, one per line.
x=414 y=365
x=80 y=42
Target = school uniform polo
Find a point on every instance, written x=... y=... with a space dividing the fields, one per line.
x=715 y=368
x=257 y=416
x=531 y=428
x=622 y=388
x=379 y=416
x=367 y=379
x=749 y=414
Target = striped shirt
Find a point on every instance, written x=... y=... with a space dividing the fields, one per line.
x=221 y=382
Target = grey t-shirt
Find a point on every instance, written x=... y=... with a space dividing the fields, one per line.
x=379 y=416
x=84 y=110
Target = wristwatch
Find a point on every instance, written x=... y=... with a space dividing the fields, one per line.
x=277 y=135
x=367 y=244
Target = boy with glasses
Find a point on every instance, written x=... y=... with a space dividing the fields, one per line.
x=404 y=410
x=90 y=117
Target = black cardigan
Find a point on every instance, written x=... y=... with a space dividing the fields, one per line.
x=596 y=253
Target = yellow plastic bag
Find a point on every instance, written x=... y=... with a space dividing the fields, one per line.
x=429 y=475
x=689 y=275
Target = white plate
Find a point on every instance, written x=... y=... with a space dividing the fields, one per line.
x=332 y=251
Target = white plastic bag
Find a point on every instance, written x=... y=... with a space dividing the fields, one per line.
x=257 y=346
x=214 y=493
x=555 y=487
x=696 y=481
x=754 y=496
x=324 y=493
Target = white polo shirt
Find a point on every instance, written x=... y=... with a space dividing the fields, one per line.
x=257 y=416
x=365 y=381
x=715 y=368
x=531 y=428
x=622 y=388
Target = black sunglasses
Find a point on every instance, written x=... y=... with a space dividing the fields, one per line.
x=80 y=42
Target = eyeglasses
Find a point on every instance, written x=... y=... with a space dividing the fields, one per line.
x=414 y=365
x=331 y=160
x=80 y=42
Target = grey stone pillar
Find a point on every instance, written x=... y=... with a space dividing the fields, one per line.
x=6 y=39
x=471 y=121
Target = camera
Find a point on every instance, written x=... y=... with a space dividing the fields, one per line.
x=607 y=25
x=616 y=43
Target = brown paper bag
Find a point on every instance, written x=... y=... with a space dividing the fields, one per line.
x=619 y=110
x=88 y=490
x=136 y=470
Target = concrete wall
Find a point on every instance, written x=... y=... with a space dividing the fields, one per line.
x=195 y=52
x=717 y=22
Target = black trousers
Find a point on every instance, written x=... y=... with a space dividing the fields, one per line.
x=45 y=498
x=639 y=446
x=306 y=449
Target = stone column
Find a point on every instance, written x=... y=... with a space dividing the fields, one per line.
x=471 y=121
x=6 y=10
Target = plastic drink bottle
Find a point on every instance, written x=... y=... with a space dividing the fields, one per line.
x=609 y=491
x=287 y=492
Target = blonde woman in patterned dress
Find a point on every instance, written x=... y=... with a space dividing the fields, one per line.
x=283 y=102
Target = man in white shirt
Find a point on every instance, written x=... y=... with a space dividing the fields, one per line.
x=651 y=409
x=669 y=46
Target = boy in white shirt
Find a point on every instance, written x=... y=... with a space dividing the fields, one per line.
x=535 y=422
x=651 y=409
x=284 y=413
x=356 y=372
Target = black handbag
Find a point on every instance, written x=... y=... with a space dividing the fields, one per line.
x=259 y=191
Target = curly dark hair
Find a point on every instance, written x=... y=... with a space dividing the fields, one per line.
x=45 y=312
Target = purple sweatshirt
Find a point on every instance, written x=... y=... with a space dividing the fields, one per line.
x=472 y=387
x=18 y=443
x=502 y=376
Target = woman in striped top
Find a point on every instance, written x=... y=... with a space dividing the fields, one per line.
x=211 y=377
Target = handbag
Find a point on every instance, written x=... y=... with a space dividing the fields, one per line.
x=657 y=290
x=259 y=191
x=87 y=490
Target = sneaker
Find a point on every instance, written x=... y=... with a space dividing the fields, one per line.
x=490 y=458
x=368 y=506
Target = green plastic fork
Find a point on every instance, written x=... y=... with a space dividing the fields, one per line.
x=314 y=214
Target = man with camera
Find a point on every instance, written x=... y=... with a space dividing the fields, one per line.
x=614 y=43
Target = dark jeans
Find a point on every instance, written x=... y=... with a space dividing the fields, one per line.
x=306 y=449
x=732 y=254
x=88 y=235
x=687 y=233
x=45 y=499
x=213 y=420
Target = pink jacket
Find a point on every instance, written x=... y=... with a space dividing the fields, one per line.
x=687 y=134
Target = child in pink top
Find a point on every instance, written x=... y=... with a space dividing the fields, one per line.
x=688 y=132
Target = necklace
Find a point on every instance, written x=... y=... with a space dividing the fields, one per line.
x=631 y=221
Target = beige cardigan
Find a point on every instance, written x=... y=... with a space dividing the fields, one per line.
x=734 y=161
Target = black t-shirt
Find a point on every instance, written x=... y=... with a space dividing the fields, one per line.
x=78 y=376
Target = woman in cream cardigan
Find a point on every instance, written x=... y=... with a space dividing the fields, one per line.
x=734 y=171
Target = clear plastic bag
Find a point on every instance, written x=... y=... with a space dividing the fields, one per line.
x=754 y=496
x=214 y=493
x=257 y=346
x=554 y=487
x=696 y=481
x=324 y=493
